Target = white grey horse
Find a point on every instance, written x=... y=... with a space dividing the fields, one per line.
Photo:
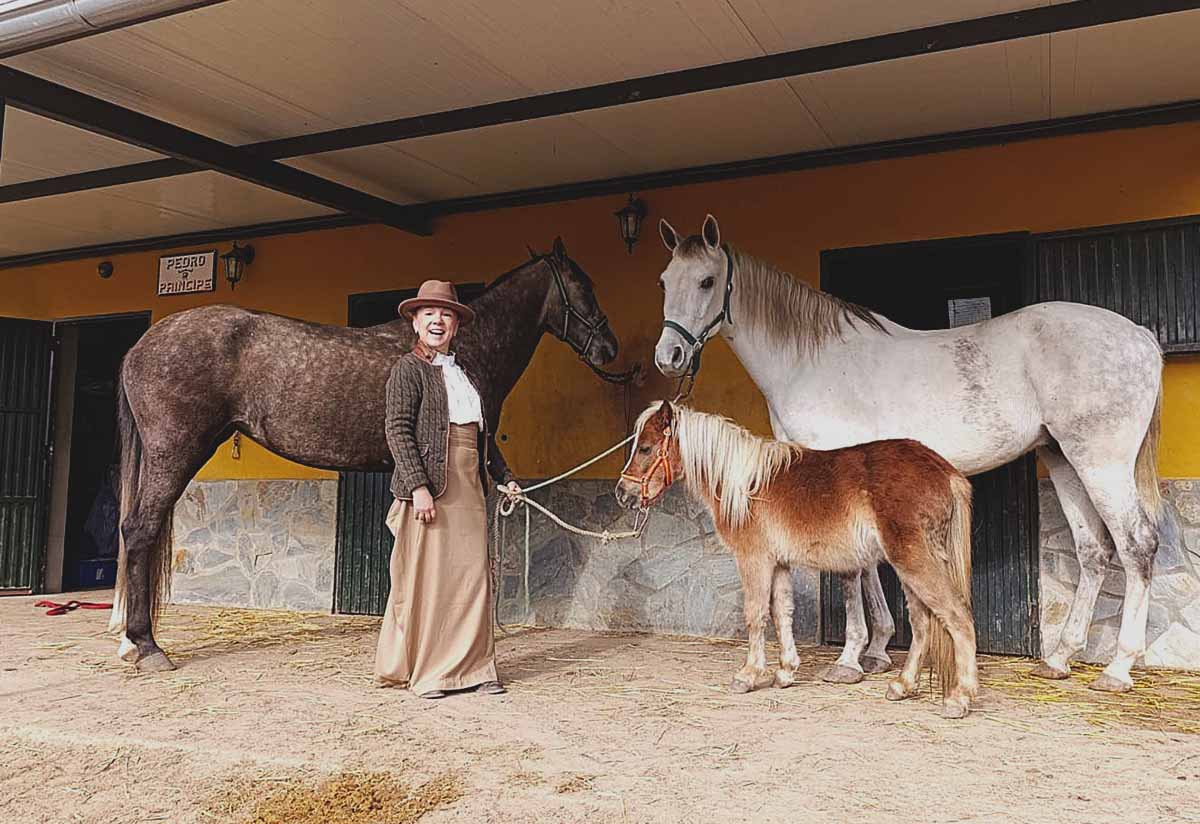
x=1080 y=384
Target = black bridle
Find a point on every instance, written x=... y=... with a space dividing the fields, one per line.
x=724 y=316
x=594 y=326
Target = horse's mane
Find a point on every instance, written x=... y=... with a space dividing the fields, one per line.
x=724 y=460
x=787 y=311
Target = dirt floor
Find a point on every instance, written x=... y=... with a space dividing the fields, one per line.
x=272 y=717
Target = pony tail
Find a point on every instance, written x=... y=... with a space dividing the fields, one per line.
x=957 y=557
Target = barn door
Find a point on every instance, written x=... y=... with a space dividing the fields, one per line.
x=932 y=286
x=25 y=367
x=364 y=544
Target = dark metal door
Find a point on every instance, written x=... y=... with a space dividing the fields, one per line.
x=25 y=368
x=915 y=285
x=364 y=544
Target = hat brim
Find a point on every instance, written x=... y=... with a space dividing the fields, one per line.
x=465 y=313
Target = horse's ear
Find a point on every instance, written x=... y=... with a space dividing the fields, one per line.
x=670 y=239
x=667 y=413
x=560 y=250
x=532 y=254
x=711 y=232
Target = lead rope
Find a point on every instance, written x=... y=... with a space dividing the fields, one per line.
x=508 y=504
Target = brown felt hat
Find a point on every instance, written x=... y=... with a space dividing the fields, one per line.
x=437 y=293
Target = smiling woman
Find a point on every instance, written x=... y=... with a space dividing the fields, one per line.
x=437 y=630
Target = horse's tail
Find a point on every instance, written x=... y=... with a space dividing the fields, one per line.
x=160 y=561
x=958 y=564
x=1146 y=468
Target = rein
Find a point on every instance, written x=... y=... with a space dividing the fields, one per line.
x=594 y=326
x=724 y=316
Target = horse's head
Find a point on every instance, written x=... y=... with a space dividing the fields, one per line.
x=696 y=295
x=571 y=312
x=654 y=462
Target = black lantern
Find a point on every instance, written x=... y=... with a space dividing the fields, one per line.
x=629 y=221
x=235 y=262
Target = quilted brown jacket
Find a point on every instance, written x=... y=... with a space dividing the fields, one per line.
x=418 y=430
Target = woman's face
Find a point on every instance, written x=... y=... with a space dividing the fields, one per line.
x=435 y=326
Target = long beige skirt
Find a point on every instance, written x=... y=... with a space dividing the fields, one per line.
x=437 y=628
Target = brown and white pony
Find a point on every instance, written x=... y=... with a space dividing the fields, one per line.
x=777 y=506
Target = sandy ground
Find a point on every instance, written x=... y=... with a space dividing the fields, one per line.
x=596 y=727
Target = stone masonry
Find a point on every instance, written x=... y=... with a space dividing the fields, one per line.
x=1173 y=636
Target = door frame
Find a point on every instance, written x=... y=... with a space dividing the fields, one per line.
x=1026 y=294
x=58 y=483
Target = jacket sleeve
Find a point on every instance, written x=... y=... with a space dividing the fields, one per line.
x=497 y=467
x=403 y=407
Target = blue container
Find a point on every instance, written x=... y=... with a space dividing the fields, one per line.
x=96 y=572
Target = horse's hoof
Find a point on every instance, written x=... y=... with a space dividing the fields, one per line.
x=739 y=687
x=1107 y=683
x=875 y=665
x=155 y=662
x=127 y=651
x=1044 y=670
x=955 y=708
x=784 y=678
x=842 y=674
x=897 y=691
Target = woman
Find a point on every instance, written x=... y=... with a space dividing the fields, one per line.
x=437 y=630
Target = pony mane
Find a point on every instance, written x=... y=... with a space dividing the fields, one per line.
x=789 y=312
x=724 y=460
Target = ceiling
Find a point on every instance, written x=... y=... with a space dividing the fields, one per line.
x=244 y=71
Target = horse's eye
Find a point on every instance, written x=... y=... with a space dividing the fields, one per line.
x=707 y=283
x=645 y=450
x=662 y=285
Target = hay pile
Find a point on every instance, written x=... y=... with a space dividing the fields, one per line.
x=344 y=798
x=1163 y=700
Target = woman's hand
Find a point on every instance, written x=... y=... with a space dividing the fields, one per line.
x=423 y=508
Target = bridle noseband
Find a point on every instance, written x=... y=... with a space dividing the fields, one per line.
x=594 y=326
x=724 y=316
x=661 y=458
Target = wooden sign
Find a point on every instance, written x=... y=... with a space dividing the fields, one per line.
x=185 y=274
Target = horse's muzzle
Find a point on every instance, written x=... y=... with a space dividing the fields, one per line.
x=670 y=355
x=627 y=494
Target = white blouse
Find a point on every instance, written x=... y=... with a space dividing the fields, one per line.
x=465 y=407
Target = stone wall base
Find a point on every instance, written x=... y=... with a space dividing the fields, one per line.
x=1173 y=633
x=263 y=544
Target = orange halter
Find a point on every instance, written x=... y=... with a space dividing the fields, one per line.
x=660 y=459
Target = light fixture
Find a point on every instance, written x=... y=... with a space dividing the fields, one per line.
x=236 y=260
x=629 y=221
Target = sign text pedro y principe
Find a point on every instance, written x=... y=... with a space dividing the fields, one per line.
x=184 y=274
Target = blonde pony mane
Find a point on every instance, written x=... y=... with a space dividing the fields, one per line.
x=722 y=459
x=786 y=310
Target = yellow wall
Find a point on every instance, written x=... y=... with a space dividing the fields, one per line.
x=559 y=413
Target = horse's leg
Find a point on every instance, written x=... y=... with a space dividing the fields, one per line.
x=1114 y=493
x=757 y=572
x=929 y=580
x=847 y=669
x=1093 y=548
x=782 y=606
x=905 y=684
x=147 y=532
x=876 y=658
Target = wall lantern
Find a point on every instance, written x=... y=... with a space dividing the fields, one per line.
x=629 y=221
x=236 y=260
